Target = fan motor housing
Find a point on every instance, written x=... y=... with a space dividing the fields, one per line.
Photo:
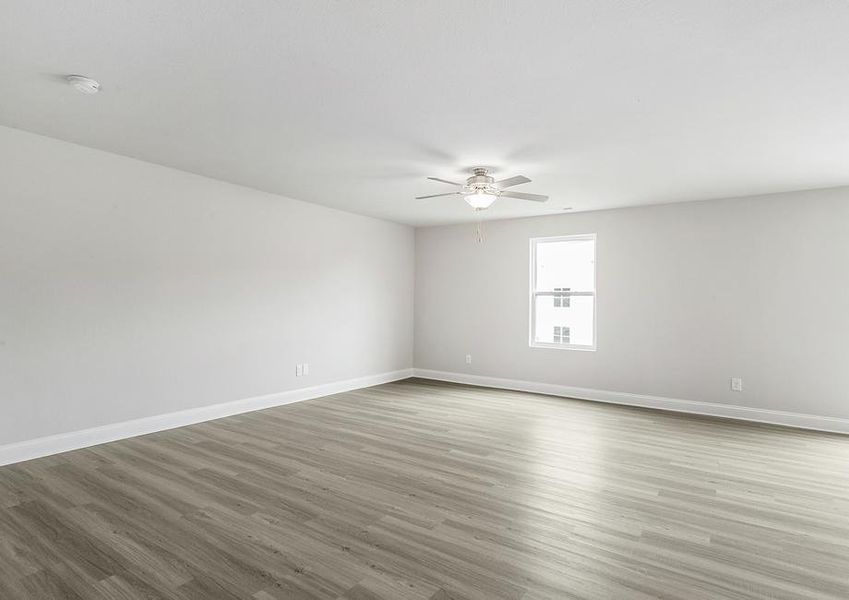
x=480 y=179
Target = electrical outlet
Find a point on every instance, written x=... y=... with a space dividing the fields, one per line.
x=736 y=384
x=468 y=359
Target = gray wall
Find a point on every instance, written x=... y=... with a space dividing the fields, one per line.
x=689 y=295
x=129 y=290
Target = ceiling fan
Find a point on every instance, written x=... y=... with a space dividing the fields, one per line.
x=481 y=189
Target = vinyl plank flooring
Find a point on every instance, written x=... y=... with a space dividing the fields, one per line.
x=420 y=490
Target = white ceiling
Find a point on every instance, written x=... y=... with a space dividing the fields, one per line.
x=352 y=103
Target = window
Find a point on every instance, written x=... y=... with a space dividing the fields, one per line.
x=563 y=276
x=561 y=335
x=561 y=300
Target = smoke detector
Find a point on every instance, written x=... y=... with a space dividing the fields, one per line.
x=86 y=85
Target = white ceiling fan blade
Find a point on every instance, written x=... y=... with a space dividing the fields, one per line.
x=523 y=196
x=511 y=181
x=444 y=181
x=437 y=195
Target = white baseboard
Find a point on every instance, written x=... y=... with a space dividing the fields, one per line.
x=745 y=413
x=74 y=440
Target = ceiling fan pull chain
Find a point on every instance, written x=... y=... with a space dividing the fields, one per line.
x=480 y=233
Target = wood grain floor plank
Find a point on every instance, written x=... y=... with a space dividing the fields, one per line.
x=420 y=490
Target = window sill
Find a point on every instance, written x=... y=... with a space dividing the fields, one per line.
x=562 y=346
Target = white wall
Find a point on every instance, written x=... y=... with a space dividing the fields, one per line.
x=129 y=289
x=689 y=295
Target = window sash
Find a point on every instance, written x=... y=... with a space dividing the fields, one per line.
x=563 y=294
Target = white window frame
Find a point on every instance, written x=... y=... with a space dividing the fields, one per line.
x=534 y=242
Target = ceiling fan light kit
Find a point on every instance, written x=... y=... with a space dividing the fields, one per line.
x=480 y=199
x=481 y=189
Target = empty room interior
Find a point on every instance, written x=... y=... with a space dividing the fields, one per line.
x=449 y=300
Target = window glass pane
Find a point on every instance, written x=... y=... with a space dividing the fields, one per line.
x=578 y=319
x=567 y=264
